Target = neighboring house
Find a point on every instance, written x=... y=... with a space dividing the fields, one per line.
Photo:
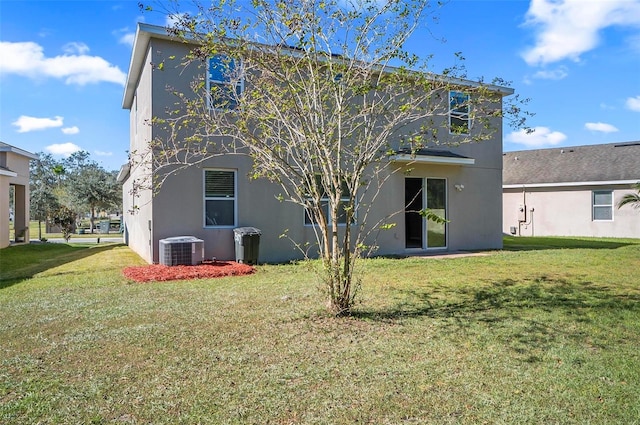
x=462 y=183
x=14 y=171
x=571 y=191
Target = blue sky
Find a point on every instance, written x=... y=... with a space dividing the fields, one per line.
x=63 y=66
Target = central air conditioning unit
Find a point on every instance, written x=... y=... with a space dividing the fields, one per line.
x=181 y=251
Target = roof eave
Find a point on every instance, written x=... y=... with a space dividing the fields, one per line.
x=569 y=184
x=429 y=159
x=7 y=172
x=4 y=147
x=144 y=32
x=124 y=172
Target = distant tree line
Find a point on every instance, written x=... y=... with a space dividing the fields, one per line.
x=63 y=192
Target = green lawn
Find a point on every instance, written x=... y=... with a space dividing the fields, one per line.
x=546 y=331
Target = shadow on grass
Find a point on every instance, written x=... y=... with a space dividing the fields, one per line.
x=534 y=243
x=24 y=261
x=505 y=296
x=528 y=316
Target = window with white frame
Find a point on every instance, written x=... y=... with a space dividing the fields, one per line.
x=602 y=205
x=324 y=203
x=219 y=198
x=224 y=82
x=459 y=121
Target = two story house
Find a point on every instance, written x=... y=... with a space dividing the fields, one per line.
x=210 y=199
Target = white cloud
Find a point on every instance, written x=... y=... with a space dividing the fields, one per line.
x=71 y=130
x=540 y=137
x=127 y=38
x=600 y=127
x=26 y=123
x=28 y=59
x=63 y=149
x=568 y=28
x=555 y=74
x=102 y=153
x=633 y=103
x=75 y=47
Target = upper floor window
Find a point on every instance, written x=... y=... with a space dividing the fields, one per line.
x=224 y=82
x=602 y=205
x=459 y=122
x=219 y=198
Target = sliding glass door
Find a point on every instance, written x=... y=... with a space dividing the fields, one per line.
x=421 y=194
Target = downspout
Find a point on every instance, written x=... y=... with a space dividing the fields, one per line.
x=524 y=206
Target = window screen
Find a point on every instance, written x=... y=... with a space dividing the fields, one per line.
x=220 y=198
x=602 y=205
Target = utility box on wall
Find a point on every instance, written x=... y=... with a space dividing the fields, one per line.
x=181 y=251
x=522 y=213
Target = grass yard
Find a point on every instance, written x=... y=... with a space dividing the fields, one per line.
x=546 y=331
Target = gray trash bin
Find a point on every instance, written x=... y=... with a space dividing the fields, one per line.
x=247 y=244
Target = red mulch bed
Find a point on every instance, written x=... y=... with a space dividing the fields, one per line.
x=159 y=273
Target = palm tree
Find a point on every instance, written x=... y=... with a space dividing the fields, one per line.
x=59 y=171
x=631 y=198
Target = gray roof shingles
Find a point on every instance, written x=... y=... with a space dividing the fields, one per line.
x=591 y=163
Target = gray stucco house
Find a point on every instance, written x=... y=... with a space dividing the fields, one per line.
x=462 y=183
x=571 y=191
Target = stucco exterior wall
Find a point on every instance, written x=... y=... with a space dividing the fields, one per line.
x=177 y=208
x=474 y=213
x=18 y=164
x=567 y=211
x=136 y=195
x=4 y=212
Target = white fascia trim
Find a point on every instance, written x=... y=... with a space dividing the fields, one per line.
x=144 y=32
x=123 y=174
x=570 y=184
x=426 y=159
x=8 y=173
x=8 y=148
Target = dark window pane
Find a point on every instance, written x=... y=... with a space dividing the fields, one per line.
x=458 y=112
x=436 y=202
x=219 y=212
x=436 y=194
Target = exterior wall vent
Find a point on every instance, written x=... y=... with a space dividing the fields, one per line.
x=181 y=251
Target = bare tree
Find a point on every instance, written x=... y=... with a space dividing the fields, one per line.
x=321 y=94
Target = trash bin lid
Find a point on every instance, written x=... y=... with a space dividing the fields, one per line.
x=247 y=231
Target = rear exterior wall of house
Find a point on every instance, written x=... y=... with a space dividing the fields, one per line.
x=473 y=209
x=570 y=211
